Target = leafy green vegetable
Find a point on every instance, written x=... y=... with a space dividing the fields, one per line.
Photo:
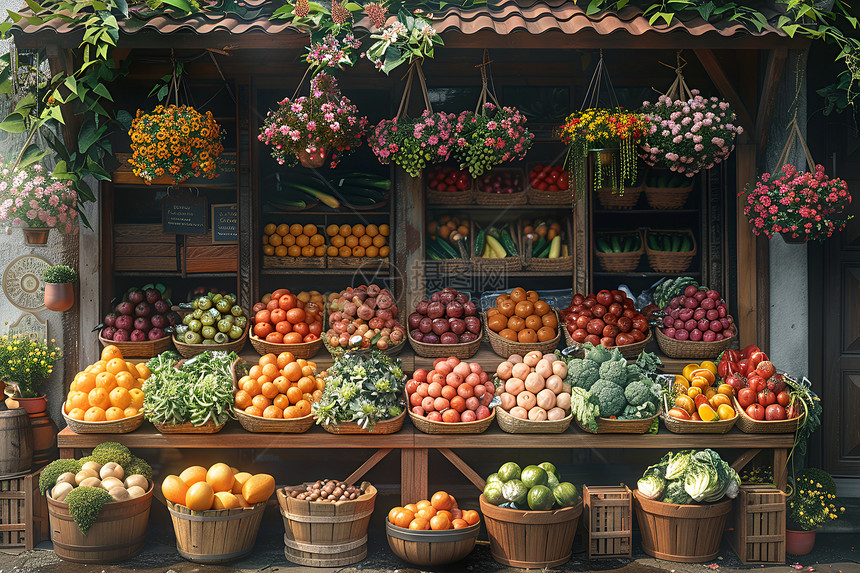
x=700 y=480
x=651 y=485
x=583 y=409
x=609 y=398
x=675 y=493
x=55 y=469
x=582 y=373
x=678 y=464
x=111 y=452
x=85 y=505
x=614 y=371
x=649 y=363
x=599 y=353
x=362 y=388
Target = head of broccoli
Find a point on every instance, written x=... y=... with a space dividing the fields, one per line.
x=582 y=373
x=85 y=504
x=138 y=466
x=637 y=393
x=614 y=371
x=599 y=354
x=111 y=452
x=609 y=398
x=55 y=469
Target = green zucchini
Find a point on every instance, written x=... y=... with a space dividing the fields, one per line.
x=447 y=248
x=544 y=253
x=602 y=246
x=616 y=244
x=676 y=243
x=686 y=245
x=666 y=243
x=628 y=244
x=508 y=243
x=480 y=240
x=637 y=243
x=539 y=244
x=432 y=255
x=652 y=243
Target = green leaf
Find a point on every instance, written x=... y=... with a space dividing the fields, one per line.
x=97 y=170
x=31 y=155
x=122 y=6
x=353 y=7
x=790 y=30
x=14 y=123
x=34 y=6
x=72 y=84
x=593 y=7
x=25 y=104
x=101 y=90
x=179 y=4
x=57 y=113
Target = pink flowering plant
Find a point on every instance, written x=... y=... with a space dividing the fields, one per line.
x=324 y=124
x=801 y=205
x=490 y=137
x=414 y=144
x=688 y=136
x=30 y=197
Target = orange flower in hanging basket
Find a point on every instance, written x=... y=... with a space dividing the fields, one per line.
x=178 y=142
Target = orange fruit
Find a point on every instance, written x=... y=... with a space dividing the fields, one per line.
x=282 y=402
x=252 y=387
x=459 y=523
x=106 y=380
x=440 y=523
x=426 y=512
x=291 y=412
x=99 y=397
x=707 y=414
x=225 y=500
x=419 y=523
x=269 y=358
x=239 y=480
x=345 y=230
x=120 y=398
x=242 y=399
x=296 y=229
x=423 y=503
x=384 y=230
x=261 y=402
x=372 y=230
x=255 y=371
x=403 y=518
x=193 y=475
x=708 y=365
x=273 y=412
x=269 y=390
x=294 y=394
x=86 y=382
x=471 y=516
x=331 y=230
x=688 y=370
x=725 y=412
x=293 y=372
x=304 y=407
x=77 y=414
x=95 y=414
x=307 y=384
x=200 y=497
x=116 y=365
x=77 y=400
x=110 y=352
x=220 y=477
x=258 y=488
x=174 y=489
x=393 y=512
x=378 y=241
x=726 y=389
x=284 y=358
x=130 y=411
x=700 y=381
x=441 y=500
x=694 y=391
x=720 y=399
x=446 y=513
x=125 y=380
x=331 y=251
x=704 y=373
x=98 y=367
x=114 y=413
x=136 y=395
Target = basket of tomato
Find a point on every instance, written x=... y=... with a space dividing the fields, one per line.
x=549 y=185
x=448 y=185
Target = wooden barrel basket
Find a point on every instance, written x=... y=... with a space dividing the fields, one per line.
x=431 y=548
x=217 y=535
x=16 y=441
x=323 y=534
x=531 y=539
x=118 y=534
x=681 y=533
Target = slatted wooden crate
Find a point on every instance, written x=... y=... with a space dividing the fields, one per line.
x=23 y=512
x=144 y=248
x=758 y=531
x=202 y=256
x=608 y=520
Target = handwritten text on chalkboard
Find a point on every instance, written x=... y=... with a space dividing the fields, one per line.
x=225 y=223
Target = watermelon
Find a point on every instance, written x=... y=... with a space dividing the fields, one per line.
x=533 y=476
x=493 y=493
x=565 y=494
x=540 y=498
x=509 y=471
x=515 y=491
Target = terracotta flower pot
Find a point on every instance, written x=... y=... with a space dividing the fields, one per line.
x=34 y=405
x=312 y=160
x=799 y=542
x=43 y=427
x=36 y=236
x=59 y=297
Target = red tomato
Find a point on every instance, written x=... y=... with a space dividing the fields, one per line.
x=757 y=383
x=783 y=399
x=765 y=369
x=604 y=297
x=766 y=397
x=733 y=355
x=755 y=359
x=755 y=411
x=563 y=181
x=736 y=381
x=725 y=368
x=743 y=366
x=749 y=350
x=774 y=412
x=746 y=396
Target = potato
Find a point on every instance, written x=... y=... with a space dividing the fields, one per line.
x=515 y=359
x=563 y=401
x=544 y=368
x=514 y=386
x=135 y=492
x=559 y=368
x=521 y=413
x=94 y=466
x=535 y=383
x=520 y=371
x=112 y=469
x=119 y=493
x=111 y=482
x=532 y=358
x=546 y=399
x=137 y=480
x=503 y=371
x=555 y=383
x=508 y=401
x=537 y=414
x=84 y=474
x=61 y=490
x=91 y=482
x=526 y=400
x=555 y=414
x=67 y=477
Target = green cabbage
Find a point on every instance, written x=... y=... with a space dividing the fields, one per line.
x=701 y=480
x=675 y=493
x=678 y=463
x=651 y=485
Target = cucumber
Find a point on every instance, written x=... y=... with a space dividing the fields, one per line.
x=361 y=201
x=285 y=205
x=686 y=245
x=545 y=251
x=602 y=246
x=480 y=240
x=637 y=243
x=446 y=247
x=676 y=243
x=508 y=243
x=616 y=245
x=666 y=243
x=652 y=243
x=541 y=241
x=628 y=245
x=432 y=255
x=358 y=191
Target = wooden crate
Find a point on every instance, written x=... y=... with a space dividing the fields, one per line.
x=202 y=256
x=608 y=520
x=758 y=531
x=144 y=248
x=24 y=522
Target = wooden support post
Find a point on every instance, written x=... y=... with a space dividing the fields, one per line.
x=409 y=192
x=413 y=475
x=748 y=312
x=718 y=76
x=780 y=468
x=464 y=468
x=367 y=466
x=772 y=76
x=744 y=459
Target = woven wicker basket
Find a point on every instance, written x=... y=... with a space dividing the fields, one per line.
x=273 y=262
x=146 y=349
x=561 y=264
x=621 y=262
x=695 y=426
x=500 y=199
x=667 y=197
x=610 y=426
x=560 y=198
x=751 y=426
x=670 y=262
x=514 y=425
x=382 y=427
x=188 y=428
x=450 y=266
x=191 y=350
x=612 y=199
x=628 y=351
x=689 y=349
x=462 y=351
x=508 y=264
x=299 y=350
x=357 y=262
x=338 y=352
x=431 y=427
x=504 y=347
x=449 y=197
x=123 y=426
x=258 y=424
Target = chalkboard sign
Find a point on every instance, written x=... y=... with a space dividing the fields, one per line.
x=184 y=215
x=225 y=223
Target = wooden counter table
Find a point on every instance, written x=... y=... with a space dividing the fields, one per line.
x=414 y=446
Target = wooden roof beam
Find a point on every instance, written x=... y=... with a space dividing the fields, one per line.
x=718 y=76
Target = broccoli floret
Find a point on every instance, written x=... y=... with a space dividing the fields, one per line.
x=646 y=410
x=614 y=371
x=582 y=373
x=634 y=372
x=55 y=469
x=638 y=393
x=85 y=504
x=609 y=398
x=138 y=466
x=599 y=354
x=111 y=452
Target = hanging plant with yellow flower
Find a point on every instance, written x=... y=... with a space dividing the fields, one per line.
x=606 y=131
x=175 y=141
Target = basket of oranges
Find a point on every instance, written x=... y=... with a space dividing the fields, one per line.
x=275 y=395
x=359 y=245
x=287 y=322
x=293 y=246
x=106 y=397
x=521 y=322
x=695 y=404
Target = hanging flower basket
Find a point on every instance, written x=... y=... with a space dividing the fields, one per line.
x=177 y=142
x=35 y=201
x=310 y=130
x=490 y=137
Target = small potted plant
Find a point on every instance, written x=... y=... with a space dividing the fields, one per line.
x=24 y=365
x=30 y=198
x=60 y=287
x=811 y=504
x=802 y=206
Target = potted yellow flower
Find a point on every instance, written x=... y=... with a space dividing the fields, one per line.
x=24 y=365
x=812 y=504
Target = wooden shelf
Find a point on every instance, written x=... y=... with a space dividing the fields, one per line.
x=432 y=207
x=316 y=211
x=336 y=271
x=647 y=274
x=643 y=211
